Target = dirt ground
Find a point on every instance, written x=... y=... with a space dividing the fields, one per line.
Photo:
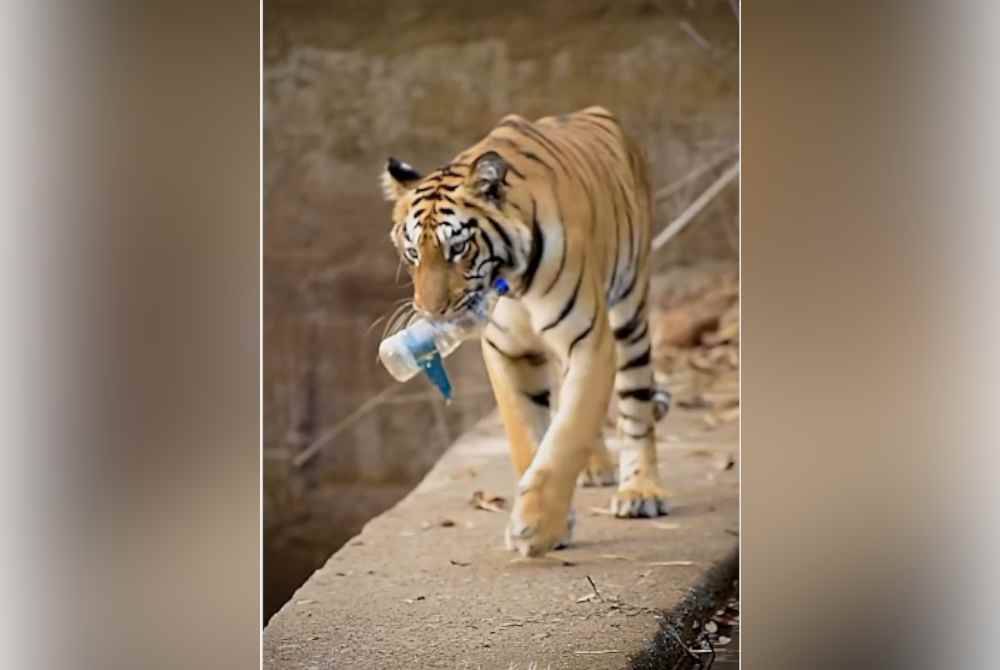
x=429 y=583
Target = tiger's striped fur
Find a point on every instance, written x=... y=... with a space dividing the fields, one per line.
x=561 y=208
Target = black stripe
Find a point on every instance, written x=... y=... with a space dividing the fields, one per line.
x=491 y=259
x=486 y=238
x=639 y=437
x=614 y=268
x=624 y=331
x=614 y=259
x=448 y=188
x=628 y=290
x=581 y=336
x=644 y=394
x=531 y=357
x=446 y=211
x=537 y=249
x=596 y=124
x=633 y=245
x=489 y=245
x=562 y=261
x=502 y=232
x=602 y=115
x=557 y=152
x=601 y=171
x=569 y=305
x=640 y=334
x=539 y=138
x=639 y=361
x=530 y=155
x=513 y=170
x=541 y=399
x=584 y=170
x=631 y=418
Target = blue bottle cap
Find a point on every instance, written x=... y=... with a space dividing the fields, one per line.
x=501 y=286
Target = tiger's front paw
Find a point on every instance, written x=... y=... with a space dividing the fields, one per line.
x=640 y=497
x=541 y=519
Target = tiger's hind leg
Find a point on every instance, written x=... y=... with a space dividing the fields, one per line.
x=640 y=492
x=602 y=467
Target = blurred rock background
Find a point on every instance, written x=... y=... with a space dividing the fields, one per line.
x=347 y=84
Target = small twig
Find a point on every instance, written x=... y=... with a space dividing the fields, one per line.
x=599 y=651
x=695 y=35
x=695 y=207
x=711 y=647
x=594 y=586
x=670 y=564
x=433 y=396
x=670 y=631
x=306 y=454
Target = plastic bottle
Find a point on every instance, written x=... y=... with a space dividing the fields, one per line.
x=422 y=345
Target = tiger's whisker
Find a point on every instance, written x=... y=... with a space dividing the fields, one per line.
x=396 y=305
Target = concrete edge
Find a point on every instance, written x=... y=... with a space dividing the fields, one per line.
x=668 y=648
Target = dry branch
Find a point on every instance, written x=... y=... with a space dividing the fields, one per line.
x=695 y=207
x=668 y=190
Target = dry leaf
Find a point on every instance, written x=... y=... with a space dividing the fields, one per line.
x=616 y=557
x=701 y=453
x=488 y=502
x=666 y=525
x=601 y=511
x=587 y=598
x=463 y=473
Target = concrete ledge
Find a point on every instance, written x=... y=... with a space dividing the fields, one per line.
x=429 y=584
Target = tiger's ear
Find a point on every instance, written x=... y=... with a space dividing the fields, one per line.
x=488 y=174
x=398 y=178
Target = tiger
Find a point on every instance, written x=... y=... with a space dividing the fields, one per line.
x=561 y=210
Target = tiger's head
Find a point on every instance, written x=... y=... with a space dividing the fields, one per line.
x=456 y=229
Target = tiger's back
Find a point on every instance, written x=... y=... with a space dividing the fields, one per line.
x=586 y=171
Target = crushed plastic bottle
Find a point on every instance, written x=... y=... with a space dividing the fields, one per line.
x=423 y=345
